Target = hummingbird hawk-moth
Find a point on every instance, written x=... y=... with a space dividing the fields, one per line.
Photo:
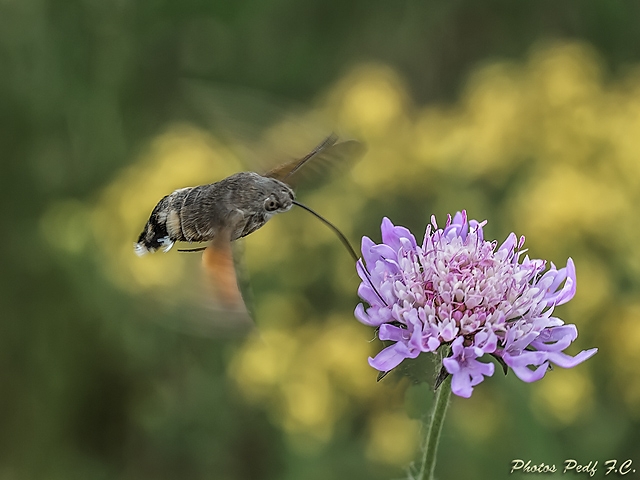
x=222 y=212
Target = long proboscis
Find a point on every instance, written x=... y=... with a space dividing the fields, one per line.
x=344 y=241
x=342 y=238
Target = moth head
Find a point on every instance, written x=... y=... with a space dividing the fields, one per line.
x=279 y=200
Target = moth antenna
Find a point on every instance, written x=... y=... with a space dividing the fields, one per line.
x=343 y=239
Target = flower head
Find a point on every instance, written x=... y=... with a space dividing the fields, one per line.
x=461 y=290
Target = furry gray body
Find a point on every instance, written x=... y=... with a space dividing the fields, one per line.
x=238 y=205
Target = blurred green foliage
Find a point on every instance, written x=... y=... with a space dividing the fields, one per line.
x=525 y=114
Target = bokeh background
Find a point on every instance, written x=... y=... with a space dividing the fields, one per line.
x=526 y=114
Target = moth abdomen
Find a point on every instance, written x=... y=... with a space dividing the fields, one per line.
x=196 y=214
x=164 y=226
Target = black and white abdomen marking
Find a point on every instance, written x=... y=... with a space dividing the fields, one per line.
x=160 y=230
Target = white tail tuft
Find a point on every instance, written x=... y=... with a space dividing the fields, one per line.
x=140 y=249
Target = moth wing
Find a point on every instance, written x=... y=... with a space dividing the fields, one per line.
x=210 y=299
x=329 y=155
x=241 y=116
x=204 y=302
x=238 y=115
x=284 y=171
x=220 y=272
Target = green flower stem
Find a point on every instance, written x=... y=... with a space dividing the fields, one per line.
x=430 y=446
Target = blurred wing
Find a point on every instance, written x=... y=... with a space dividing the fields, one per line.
x=211 y=303
x=240 y=118
x=238 y=114
x=220 y=271
x=206 y=302
x=326 y=156
x=284 y=171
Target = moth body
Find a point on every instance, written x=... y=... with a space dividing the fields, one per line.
x=237 y=205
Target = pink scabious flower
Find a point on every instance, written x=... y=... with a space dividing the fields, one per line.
x=461 y=290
